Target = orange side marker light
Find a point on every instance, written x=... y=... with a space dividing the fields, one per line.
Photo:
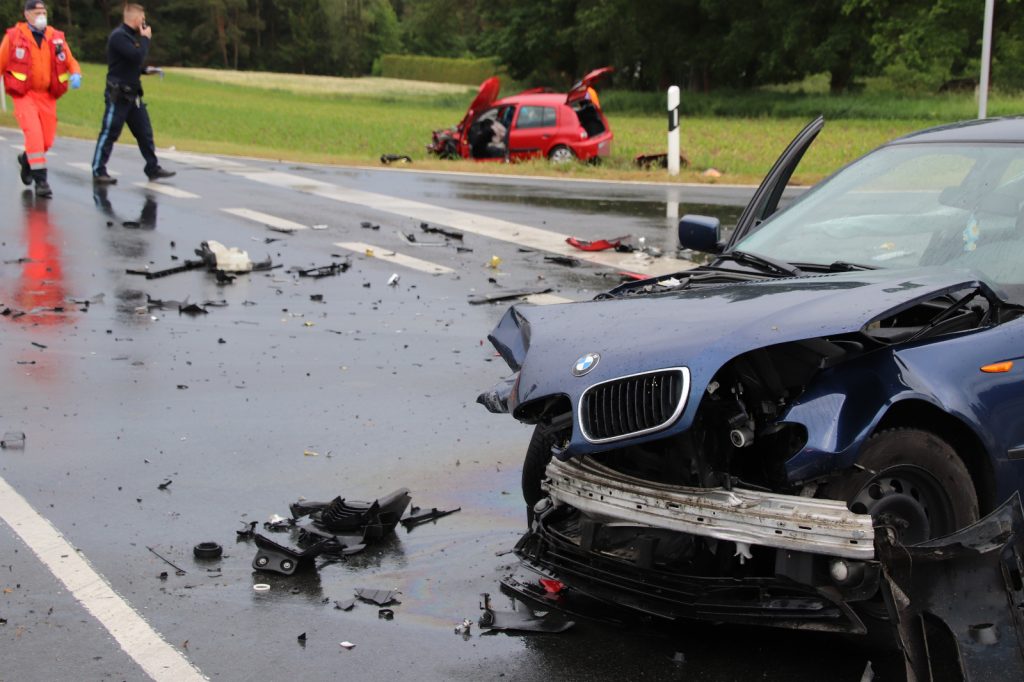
x=998 y=367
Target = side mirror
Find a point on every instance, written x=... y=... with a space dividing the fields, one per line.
x=701 y=233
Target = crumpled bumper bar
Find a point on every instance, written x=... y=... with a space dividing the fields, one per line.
x=783 y=521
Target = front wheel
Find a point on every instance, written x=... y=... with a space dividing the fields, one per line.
x=912 y=480
x=538 y=454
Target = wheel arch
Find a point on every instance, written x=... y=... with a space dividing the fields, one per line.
x=920 y=414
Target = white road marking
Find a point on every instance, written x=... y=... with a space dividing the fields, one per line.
x=266 y=219
x=546 y=299
x=139 y=640
x=2 y=138
x=396 y=258
x=167 y=189
x=200 y=160
x=494 y=228
x=82 y=165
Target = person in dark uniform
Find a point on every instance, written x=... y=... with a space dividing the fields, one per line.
x=126 y=51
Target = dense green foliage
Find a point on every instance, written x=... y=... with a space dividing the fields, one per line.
x=464 y=70
x=702 y=45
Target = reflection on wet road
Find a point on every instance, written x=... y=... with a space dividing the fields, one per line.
x=376 y=380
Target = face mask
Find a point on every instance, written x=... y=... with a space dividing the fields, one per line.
x=40 y=22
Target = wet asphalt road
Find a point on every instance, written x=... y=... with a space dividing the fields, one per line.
x=274 y=397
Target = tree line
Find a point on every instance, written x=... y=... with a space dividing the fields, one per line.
x=924 y=45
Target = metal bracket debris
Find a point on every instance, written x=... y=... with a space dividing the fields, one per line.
x=324 y=270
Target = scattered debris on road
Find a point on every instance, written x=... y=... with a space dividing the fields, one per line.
x=324 y=270
x=377 y=596
x=521 y=620
x=509 y=295
x=13 y=440
x=388 y=159
x=207 y=550
x=450 y=234
x=599 y=244
x=416 y=518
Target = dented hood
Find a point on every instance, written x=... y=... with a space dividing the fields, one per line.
x=700 y=329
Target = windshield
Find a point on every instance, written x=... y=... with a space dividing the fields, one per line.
x=911 y=205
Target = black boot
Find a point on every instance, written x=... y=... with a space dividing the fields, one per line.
x=26 y=170
x=42 y=186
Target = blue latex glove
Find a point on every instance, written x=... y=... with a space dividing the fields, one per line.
x=76 y=81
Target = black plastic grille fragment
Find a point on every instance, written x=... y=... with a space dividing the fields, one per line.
x=622 y=407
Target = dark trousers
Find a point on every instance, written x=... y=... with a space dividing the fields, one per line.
x=119 y=111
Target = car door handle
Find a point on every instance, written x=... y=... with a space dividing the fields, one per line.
x=545 y=137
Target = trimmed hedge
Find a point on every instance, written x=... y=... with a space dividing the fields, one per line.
x=439 y=69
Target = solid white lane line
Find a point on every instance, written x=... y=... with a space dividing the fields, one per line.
x=167 y=189
x=396 y=258
x=82 y=165
x=144 y=645
x=493 y=228
x=266 y=219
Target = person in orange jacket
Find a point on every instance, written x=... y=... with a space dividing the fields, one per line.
x=38 y=68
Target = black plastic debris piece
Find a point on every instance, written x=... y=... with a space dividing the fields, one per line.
x=451 y=234
x=184 y=267
x=978 y=637
x=324 y=270
x=345 y=604
x=463 y=249
x=38 y=345
x=388 y=159
x=192 y=309
x=418 y=518
x=366 y=225
x=271 y=556
x=165 y=484
x=378 y=597
x=497 y=297
x=13 y=440
x=316 y=298
x=224 y=278
x=370 y=520
x=568 y=261
x=207 y=550
x=386 y=614
x=163 y=575
x=302 y=640
x=521 y=620
x=248 y=531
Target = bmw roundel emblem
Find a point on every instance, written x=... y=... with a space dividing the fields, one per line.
x=585 y=364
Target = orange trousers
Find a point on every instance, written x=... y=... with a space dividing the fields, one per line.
x=36 y=113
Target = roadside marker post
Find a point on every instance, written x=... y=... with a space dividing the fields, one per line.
x=3 y=96
x=986 y=59
x=673 y=130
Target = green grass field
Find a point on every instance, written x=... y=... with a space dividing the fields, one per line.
x=354 y=121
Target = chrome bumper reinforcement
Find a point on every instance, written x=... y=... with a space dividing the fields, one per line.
x=790 y=522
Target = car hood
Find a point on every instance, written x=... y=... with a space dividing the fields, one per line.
x=700 y=329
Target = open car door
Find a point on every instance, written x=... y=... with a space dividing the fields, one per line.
x=485 y=97
x=579 y=90
x=766 y=199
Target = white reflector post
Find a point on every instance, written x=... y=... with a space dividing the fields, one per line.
x=986 y=59
x=3 y=95
x=673 y=130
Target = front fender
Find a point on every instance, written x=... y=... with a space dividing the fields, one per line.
x=847 y=403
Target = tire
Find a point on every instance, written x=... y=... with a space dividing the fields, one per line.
x=561 y=154
x=538 y=454
x=908 y=476
x=913 y=479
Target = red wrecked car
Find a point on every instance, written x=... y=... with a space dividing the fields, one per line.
x=557 y=126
